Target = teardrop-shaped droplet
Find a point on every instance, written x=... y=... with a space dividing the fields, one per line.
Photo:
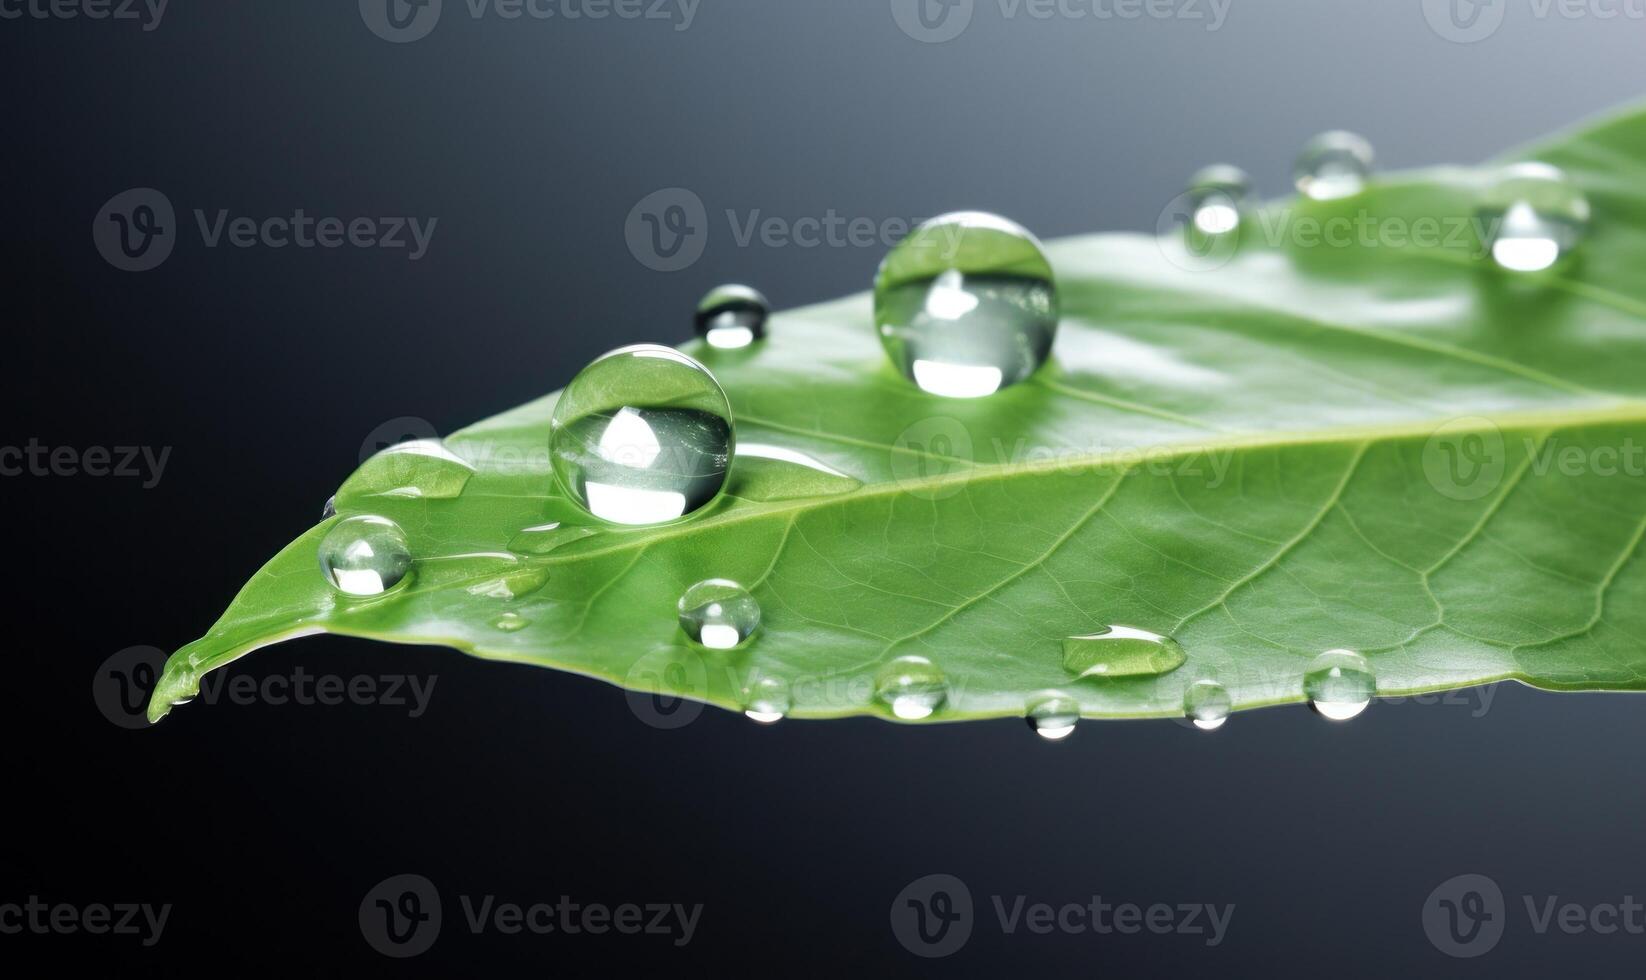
x=766 y=700
x=966 y=305
x=1121 y=651
x=1053 y=717
x=1533 y=215
x=719 y=614
x=330 y=509
x=642 y=436
x=912 y=687
x=1333 y=165
x=511 y=622
x=1219 y=197
x=365 y=556
x=419 y=468
x=1340 y=684
x=544 y=538
x=732 y=316
x=1207 y=704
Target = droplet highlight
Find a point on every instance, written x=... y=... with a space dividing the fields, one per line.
x=732 y=317
x=718 y=614
x=1533 y=216
x=966 y=305
x=365 y=556
x=1339 y=684
x=1121 y=651
x=912 y=687
x=1207 y=705
x=1219 y=198
x=766 y=700
x=1333 y=165
x=1053 y=717
x=642 y=436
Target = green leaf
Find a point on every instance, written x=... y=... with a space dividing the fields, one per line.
x=1361 y=440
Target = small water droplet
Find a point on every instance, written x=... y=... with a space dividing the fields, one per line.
x=642 y=436
x=519 y=581
x=511 y=622
x=330 y=510
x=966 y=305
x=766 y=700
x=1207 y=704
x=1121 y=651
x=1333 y=165
x=365 y=556
x=544 y=538
x=419 y=468
x=1340 y=684
x=767 y=472
x=912 y=687
x=1219 y=197
x=719 y=614
x=1053 y=717
x=732 y=316
x=1533 y=215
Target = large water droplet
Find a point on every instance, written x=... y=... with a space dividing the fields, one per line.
x=642 y=436
x=730 y=317
x=1340 y=684
x=1219 y=196
x=1532 y=215
x=966 y=305
x=365 y=556
x=420 y=468
x=1121 y=651
x=1333 y=165
x=766 y=700
x=719 y=614
x=912 y=687
x=1207 y=704
x=1053 y=717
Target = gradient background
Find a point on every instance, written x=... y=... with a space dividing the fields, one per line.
x=531 y=141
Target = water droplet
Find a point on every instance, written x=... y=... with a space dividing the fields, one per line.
x=1333 y=165
x=1207 y=704
x=719 y=614
x=330 y=510
x=966 y=305
x=511 y=622
x=912 y=687
x=642 y=436
x=1533 y=216
x=1340 y=684
x=772 y=473
x=365 y=556
x=766 y=700
x=1219 y=196
x=732 y=316
x=419 y=468
x=512 y=584
x=1053 y=717
x=544 y=538
x=1121 y=651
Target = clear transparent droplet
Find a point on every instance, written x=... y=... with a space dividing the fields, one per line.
x=966 y=305
x=766 y=700
x=420 y=468
x=719 y=614
x=365 y=556
x=1207 y=704
x=731 y=317
x=330 y=509
x=511 y=622
x=1340 y=684
x=1121 y=651
x=912 y=687
x=1219 y=198
x=544 y=538
x=1333 y=165
x=642 y=436
x=1533 y=215
x=1053 y=717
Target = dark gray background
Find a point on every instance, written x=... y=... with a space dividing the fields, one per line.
x=531 y=141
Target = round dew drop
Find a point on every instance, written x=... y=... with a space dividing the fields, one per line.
x=966 y=305
x=365 y=556
x=912 y=687
x=1219 y=197
x=1333 y=165
x=1532 y=216
x=1339 y=684
x=642 y=436
x=718 y=614
x=766 y=700
x=1053 y=717
x=1207 y=705
x=732 y=316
